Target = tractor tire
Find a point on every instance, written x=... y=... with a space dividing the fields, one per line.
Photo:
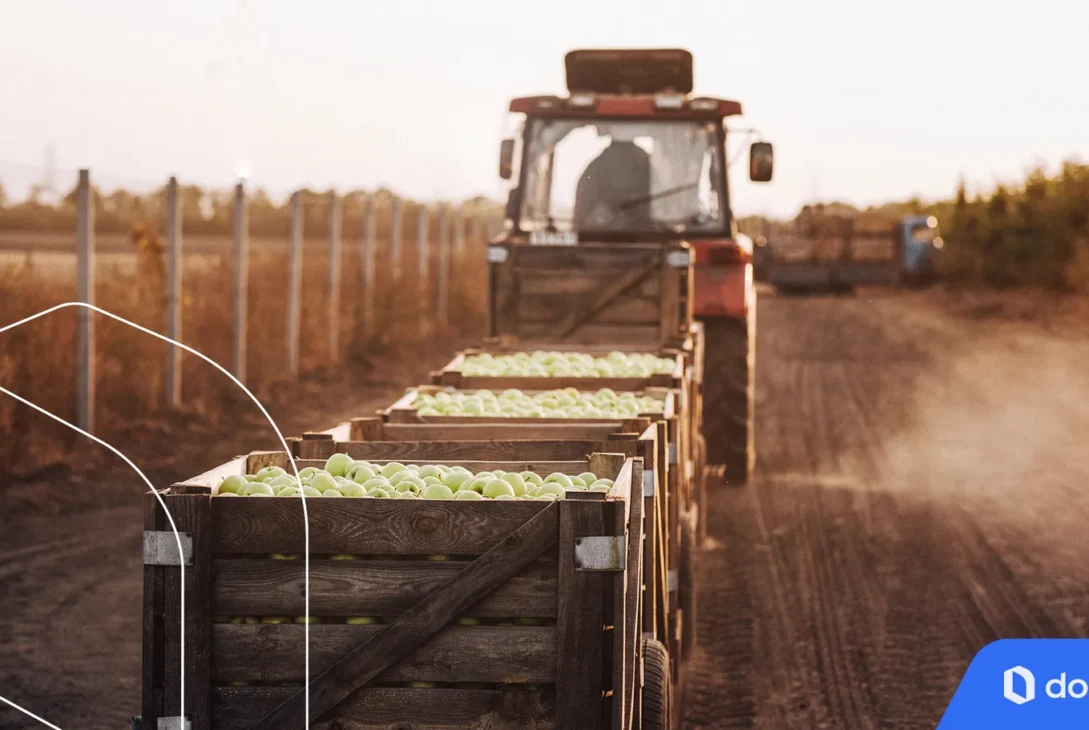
x=657 y=687
x=728 y=395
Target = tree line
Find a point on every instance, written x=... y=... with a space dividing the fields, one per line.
x=211 y=212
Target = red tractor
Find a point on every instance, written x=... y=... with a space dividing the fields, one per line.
x=631 y=156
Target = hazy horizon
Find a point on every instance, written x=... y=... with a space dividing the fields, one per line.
x=864 y=104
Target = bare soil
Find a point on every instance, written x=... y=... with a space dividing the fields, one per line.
x=920 y=492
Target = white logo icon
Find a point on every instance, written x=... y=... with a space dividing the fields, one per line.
x=1030 y=685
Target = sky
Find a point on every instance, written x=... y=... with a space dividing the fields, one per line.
x=865 y=100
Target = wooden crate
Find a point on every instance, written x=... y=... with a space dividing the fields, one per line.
x=590 y=293
x=452 y=376
x=579 y=667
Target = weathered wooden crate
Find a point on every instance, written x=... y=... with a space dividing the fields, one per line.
x=590 y=293
x=451 y=374
x=572 y=570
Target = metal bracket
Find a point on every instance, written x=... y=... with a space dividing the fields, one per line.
x=649 y=484
x=672 y=448
x=498 y=254
x=161 y=548
x=671 y=581
x=174 y=723
x=678 y=259
x=601 y=553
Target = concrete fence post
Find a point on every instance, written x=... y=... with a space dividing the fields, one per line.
x=174 y=261
x=241 y=280
x=85 y=291
x=294 y=293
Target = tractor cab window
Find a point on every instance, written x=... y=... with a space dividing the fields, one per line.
x=623 y=176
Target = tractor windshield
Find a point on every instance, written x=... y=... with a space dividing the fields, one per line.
x=623 y=176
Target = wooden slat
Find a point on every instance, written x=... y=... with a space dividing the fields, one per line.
x=498 y=450
x=580 y=624
x=622 y=310
x=191 y=515
x=592 y=333
x=385 y=708
x=489 y=431
x=152 y=658
x=634 y=574
x=275 y=653
x=416 y=626
x=607 y=465
x=602 y=297
x=213 y=477
x=366 y=526
x=251 y=587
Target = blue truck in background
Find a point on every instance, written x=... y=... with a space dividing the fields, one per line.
x=837 y=252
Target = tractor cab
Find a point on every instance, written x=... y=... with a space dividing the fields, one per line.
x=628 y=155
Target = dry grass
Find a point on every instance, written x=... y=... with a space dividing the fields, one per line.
x=37 y=360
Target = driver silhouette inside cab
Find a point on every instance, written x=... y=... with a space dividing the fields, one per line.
x=613 y=189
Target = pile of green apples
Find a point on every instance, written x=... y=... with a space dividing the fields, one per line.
x=513 y=403
x=551 y=364
x=344 y=476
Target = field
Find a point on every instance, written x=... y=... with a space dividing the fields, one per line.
x=919 y=492
x=38 y=361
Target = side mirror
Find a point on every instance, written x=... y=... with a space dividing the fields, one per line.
x=506 y=159
x=761 y=159
x=514 y=201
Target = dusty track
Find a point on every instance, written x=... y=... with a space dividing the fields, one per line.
x=921 y=491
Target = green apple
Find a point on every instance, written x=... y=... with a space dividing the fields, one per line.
x=431 y=480
x=351 y=489
x=251 y=478
x=516 y=481
x=477 y=484
x=307 y=471
x=467 y=494
x=288 y=492
x=269 y=472
x=343 y=556
x=323 y=482
x=284 y=556
x=234 y=484
x=532 y=478
x=504 y=497
x=376 y=483
x=343 y=481
x=409 y=486
x=437 y=491
x=496 y=487
x=258 y=488
x=284 y=480
x=558 y=478
x=392 y=468
x=339 y=464
x=438 y=558
x=229 y=494
x=406 y=494
x=577 y=483
x=329 y=493
x=307 y=620
x=429 y=470
x=309 y=491
x=455 y=479
x=467 y=621
x=360 y=473
x=588 y=477
x=550 y=488
x=378 y=493
x=275 y=620
x=400 y=476
x=361 y=620
x=421 y=685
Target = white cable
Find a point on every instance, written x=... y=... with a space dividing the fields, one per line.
x=283 y=442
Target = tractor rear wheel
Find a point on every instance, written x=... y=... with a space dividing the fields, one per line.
x=728 y=393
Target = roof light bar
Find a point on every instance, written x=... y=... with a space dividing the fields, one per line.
x=581 y=100
x=669 y=101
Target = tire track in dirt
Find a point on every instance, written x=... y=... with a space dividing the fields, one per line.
x=918 y=495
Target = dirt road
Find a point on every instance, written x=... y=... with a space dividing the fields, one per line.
x=922 y=489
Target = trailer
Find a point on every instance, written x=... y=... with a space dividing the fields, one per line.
x=532 y=618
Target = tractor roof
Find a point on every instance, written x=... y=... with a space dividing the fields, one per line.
x=628 y=82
